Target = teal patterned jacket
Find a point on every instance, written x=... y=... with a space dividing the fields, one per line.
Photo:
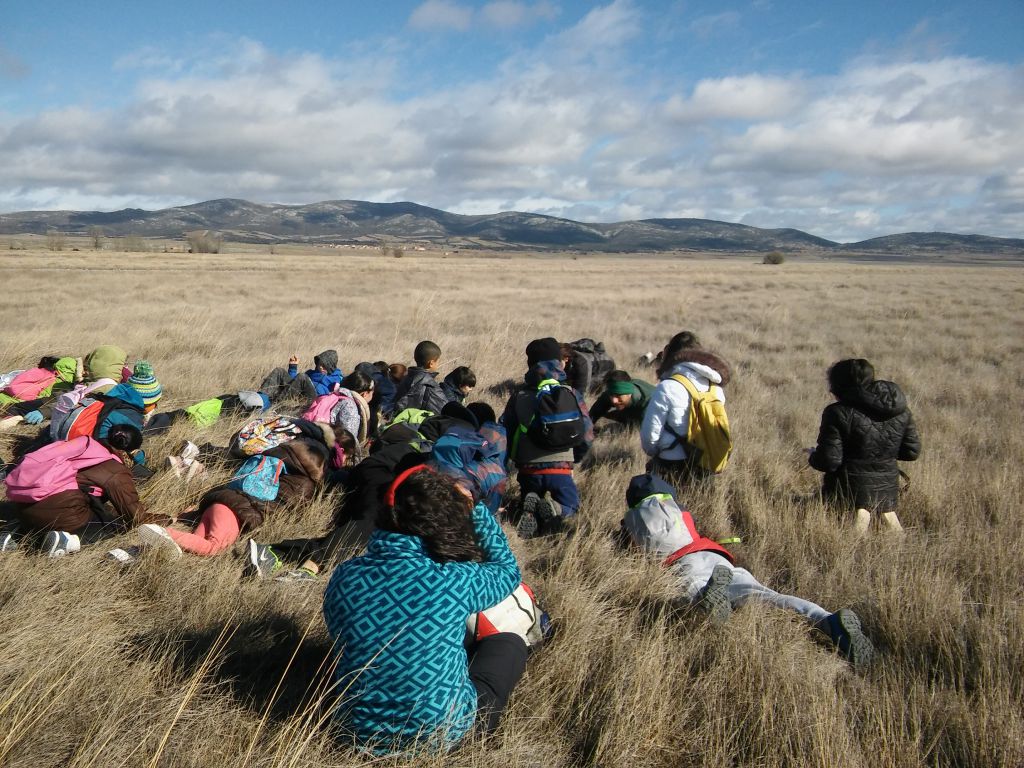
x=398 y=620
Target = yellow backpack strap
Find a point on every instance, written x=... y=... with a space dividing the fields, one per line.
x=690 y=386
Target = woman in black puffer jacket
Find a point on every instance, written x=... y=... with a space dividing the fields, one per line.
x=862 y=436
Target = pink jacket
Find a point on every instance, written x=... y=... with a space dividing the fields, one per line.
x=28 y=384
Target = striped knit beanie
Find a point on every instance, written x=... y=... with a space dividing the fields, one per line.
x=144 y=382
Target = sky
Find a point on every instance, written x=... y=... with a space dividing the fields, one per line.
x=845 y=120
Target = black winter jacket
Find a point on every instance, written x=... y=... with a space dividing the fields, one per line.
x=861 y=438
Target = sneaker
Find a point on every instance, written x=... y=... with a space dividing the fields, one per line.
x=7 y=542
x=714 y=600
x=60 y=543
x=263 y=561
x=843 y=628
x=10 y=422
x=126 y=555
x=189 y=452
x=527 y=527
x=299 y=574
x=549 y=514
x=153 y=535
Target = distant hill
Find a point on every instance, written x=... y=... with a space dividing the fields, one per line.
x=353 y=221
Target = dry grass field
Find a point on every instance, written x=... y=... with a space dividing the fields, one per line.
x=185 y=663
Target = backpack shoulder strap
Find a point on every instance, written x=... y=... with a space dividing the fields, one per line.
x=689 y=385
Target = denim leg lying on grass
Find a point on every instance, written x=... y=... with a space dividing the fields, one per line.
x=695 y=569
x=218 y=529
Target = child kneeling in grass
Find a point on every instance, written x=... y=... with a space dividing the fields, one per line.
x=706 y=573
x=397 y=615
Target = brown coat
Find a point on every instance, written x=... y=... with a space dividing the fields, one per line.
x=71 y=510
x=305 y=462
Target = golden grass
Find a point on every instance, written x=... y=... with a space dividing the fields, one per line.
x=180 y=663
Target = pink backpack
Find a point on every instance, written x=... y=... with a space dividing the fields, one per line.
x=28 y=384
x=321 y=408
x=54 y=468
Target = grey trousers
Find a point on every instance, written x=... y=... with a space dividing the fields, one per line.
x=278 y=385
x=694 y=570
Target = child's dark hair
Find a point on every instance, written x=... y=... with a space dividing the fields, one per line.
x=679 y=344
x=612 y=376
x=123 y=437
x=849 y=375
x=397 y=371
x=381 y=366
x=48 y=362
x=482 y=412
x=357 y=381
x=425 y=353
x=348 y=443
x=430 y=505
x=462 y=376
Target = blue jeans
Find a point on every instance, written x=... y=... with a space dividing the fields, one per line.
x=562 y=487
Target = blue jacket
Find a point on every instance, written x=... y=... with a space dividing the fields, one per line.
x=325 y=383
x=398 y=621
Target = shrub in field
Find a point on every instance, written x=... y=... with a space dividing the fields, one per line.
x=775 y=257
x=204 y=242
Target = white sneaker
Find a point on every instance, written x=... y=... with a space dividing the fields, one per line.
x=126 y=555
x=60 y=543
x=153 y=535
x=7 y=542
x=10 y=422
x=190 y=452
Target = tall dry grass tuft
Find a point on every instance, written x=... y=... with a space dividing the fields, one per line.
x=182 y=663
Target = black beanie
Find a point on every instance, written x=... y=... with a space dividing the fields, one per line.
x=543 y=349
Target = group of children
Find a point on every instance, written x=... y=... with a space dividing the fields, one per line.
x=423 y=476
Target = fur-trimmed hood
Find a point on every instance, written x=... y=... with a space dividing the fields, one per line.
x=703 y=359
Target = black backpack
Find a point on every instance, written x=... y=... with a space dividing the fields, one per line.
x=601 y=363
x=557 y=421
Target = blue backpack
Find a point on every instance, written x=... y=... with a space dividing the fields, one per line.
x=259 y=477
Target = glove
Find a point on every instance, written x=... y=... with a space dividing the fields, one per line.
x=34 y=417
x=139 y=457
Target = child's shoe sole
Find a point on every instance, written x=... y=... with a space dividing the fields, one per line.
x=715 y=600
x=154 y=536
x=861 y=650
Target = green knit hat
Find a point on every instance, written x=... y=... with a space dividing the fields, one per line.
x=620 y=388
x=144 y=381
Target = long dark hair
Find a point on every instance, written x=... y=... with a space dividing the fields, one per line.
x=677 y=346
x=430 y=505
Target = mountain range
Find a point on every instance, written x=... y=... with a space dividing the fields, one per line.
x=354 y=221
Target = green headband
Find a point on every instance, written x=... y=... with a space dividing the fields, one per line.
x=620 y=388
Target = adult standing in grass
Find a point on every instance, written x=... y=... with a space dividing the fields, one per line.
x=397 y=615
x=862 y=436
x=663 y=432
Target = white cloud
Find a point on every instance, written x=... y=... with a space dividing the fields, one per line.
x=441 y=14
x=714 y=24
x=507 y=14
x=562 y=129
x=750 y=97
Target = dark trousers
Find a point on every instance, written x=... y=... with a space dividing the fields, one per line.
x=25 y=406
x=278 y=385
x=497 y=663
x=562 y=487
x=325 y=550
